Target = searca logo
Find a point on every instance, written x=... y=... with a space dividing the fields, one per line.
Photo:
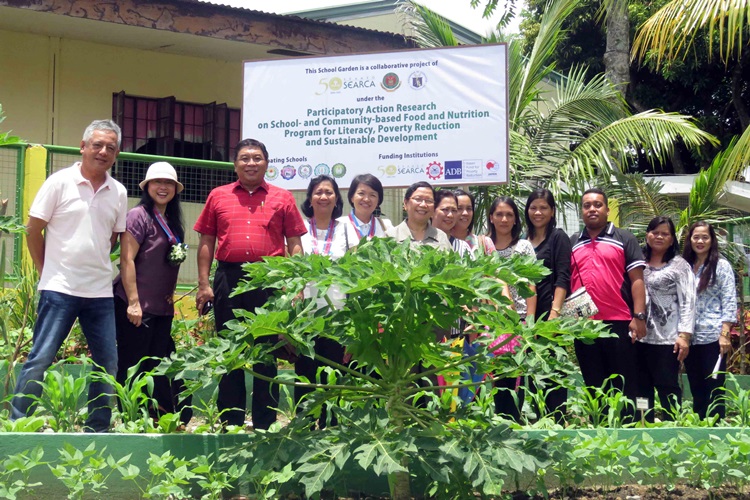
x=363 y=82
x=335 y=85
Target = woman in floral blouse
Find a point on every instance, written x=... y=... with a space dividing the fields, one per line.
x=670 y=309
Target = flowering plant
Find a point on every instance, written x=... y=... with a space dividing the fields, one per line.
x=177 y=254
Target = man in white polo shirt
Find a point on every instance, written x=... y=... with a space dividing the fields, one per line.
x=81 y=210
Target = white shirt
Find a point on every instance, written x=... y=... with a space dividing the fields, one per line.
x=362 y=229
x=344 y=238
x=80 y=223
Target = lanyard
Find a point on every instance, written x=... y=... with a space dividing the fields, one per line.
x=357 y=226
x=173 y=240
x=329 y=237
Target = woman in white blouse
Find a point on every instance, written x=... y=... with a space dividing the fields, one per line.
x=333 y=238
x=365 y=196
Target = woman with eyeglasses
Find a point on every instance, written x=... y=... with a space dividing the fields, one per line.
x=464 y=227
x=446 y=216
x=365 y=196
x=419 y=205
x=670 y=309
x=715 y=314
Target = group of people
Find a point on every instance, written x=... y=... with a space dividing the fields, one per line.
x=661 y=306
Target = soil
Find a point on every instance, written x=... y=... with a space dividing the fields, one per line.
x=641 y=492
x=629 y=492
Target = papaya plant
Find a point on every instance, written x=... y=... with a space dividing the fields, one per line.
x=392 y=415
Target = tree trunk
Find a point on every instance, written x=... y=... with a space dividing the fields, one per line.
x=617 y=56
x=399 y=486
x=739 y=103
x=678 y=166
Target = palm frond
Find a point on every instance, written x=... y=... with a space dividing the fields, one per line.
x=738 y=157
x=653 y=131
x=671 y=31
x=540 y=63
x=639 y=200
x=708 y=186
x=428 y=28
x=580 y=108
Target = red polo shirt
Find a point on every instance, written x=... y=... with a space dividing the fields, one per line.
x=250 y=226
x=602 y=264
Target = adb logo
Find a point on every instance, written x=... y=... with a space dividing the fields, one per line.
x=453 y=170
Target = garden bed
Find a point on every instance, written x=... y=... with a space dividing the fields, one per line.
x=596 y=463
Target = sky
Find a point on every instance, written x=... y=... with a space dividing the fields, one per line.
x=458 y=11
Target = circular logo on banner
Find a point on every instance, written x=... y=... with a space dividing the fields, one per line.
x=304 y=171
x=434 y=170
x=322 y=169
x=338 y=170
x=288 y=172
x=272 y=173
x=335 y=84
x=390 y=82
x=391 y=170
x=493 y=166
x=417 y=80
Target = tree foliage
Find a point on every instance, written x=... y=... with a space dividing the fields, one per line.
x=582 y=130
x=702 y=85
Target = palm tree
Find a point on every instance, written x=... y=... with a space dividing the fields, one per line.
x=586 y=130
x=640 y=199
x=669 y=34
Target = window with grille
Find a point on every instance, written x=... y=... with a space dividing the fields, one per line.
x=168 y=127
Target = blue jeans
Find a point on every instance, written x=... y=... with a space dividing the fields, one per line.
x=56 y=314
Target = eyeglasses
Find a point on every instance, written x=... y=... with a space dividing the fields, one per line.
x=427 y=201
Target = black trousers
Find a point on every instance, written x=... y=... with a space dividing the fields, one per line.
x=556 y=395
x=706 y=390
x=232 y=392
x=308 y=367
x=611 y=356
x=509 y=397
x=152 y=339
x=658 y=369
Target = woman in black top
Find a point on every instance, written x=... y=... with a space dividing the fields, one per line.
x=553 y=248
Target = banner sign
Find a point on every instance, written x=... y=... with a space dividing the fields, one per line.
x=435 y=115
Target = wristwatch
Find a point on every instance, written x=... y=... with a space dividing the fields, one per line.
x=640 y=316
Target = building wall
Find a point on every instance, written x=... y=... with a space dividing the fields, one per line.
x=25 y=85
x=79 y=78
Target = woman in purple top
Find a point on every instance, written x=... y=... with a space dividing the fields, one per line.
x=150 y=258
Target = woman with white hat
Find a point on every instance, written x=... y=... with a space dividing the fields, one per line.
x=151 y=253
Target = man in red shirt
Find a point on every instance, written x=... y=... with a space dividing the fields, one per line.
x=608 y=261
x=243 y=222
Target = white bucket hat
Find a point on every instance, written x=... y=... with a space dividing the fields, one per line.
x=161 y=170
